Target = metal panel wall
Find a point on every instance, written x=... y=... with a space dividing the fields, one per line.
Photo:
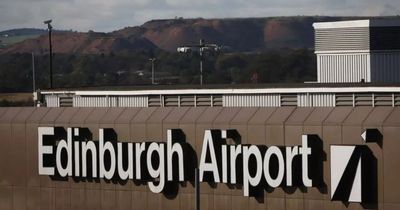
x=346 y=67
x=323 y=100
x=316 y=100
x=254 y=100
x=338 y=39
x=95 y=101
x=132 y=101
x=52 y=101
x=385 y=67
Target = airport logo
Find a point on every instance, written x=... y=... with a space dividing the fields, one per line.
x=353 y=170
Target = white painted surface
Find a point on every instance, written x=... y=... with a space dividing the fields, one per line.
x=340 y=156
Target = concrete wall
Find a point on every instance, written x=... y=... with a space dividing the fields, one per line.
x=22 y=188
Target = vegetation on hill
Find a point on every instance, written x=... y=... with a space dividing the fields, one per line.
x=83 y=70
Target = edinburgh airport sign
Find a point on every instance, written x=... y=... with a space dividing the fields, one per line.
x=223 y=159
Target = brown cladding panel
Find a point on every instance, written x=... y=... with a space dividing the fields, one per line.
x=154 y=201
x=37 y=115
x=96 y=115
x=299 y=116
x=47 y=198
x=393 y=119
x=19 y=198
x=33 y=199
x=239 y=202
x=6 y=152
x=209 y=115
x=51 y=116
x=93 y=199
x=111 y=115
x=222 y=202
x=23 y=115
x=16 y=160
x=187 y=201
x=63 y=199
x=138 y=125
x=78 y=199
x=313 y=204
x=124 y=200
x=391 y=206
x=318 y=116
x=192 y=115
x=257 y=204
x=6 y=197
x=378 y=116
x=338 y=115
x=275 y=203
x=243 y=116
x=357 y=116
x=207 y=202
x=225 y=116
x=256 y=126
x=66 y=116
x=2 y=111
x=391 y=171
x=261 y=116
x=32 y=173
x=127 y=115
x=139 y=200
x=293 y=203
x=247 y=133
x=352 y=126
x=80 y=117
x=108 y=200
x=175 y=115
x=280 y=115
x=9 y=115
x=171 y=203
x=154 y=128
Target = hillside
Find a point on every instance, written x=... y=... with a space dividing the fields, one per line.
x=13 y=36
x=239 y=34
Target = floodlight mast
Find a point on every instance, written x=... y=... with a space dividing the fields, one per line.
x=202 y=48
x=152 y=60
x=50 y=27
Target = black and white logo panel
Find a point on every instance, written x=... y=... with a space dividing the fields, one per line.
x=353 y=174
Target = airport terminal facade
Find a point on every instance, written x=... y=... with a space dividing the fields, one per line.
x=311 y=146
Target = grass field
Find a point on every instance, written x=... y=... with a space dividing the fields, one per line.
x=16 y=96
x=5 y=41
x=16 y=99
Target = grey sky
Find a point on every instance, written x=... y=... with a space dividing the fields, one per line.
x=108 y=15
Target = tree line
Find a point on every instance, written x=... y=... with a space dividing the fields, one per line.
x=126 y=69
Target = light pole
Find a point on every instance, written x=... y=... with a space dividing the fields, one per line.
x=152 y=60
x=49 y=27
x=202 y=48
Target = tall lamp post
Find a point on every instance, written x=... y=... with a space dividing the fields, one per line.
x=152 y=60
x=49 y=27
x=201 y=48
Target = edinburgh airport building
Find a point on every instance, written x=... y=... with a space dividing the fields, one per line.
x=329 y=144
